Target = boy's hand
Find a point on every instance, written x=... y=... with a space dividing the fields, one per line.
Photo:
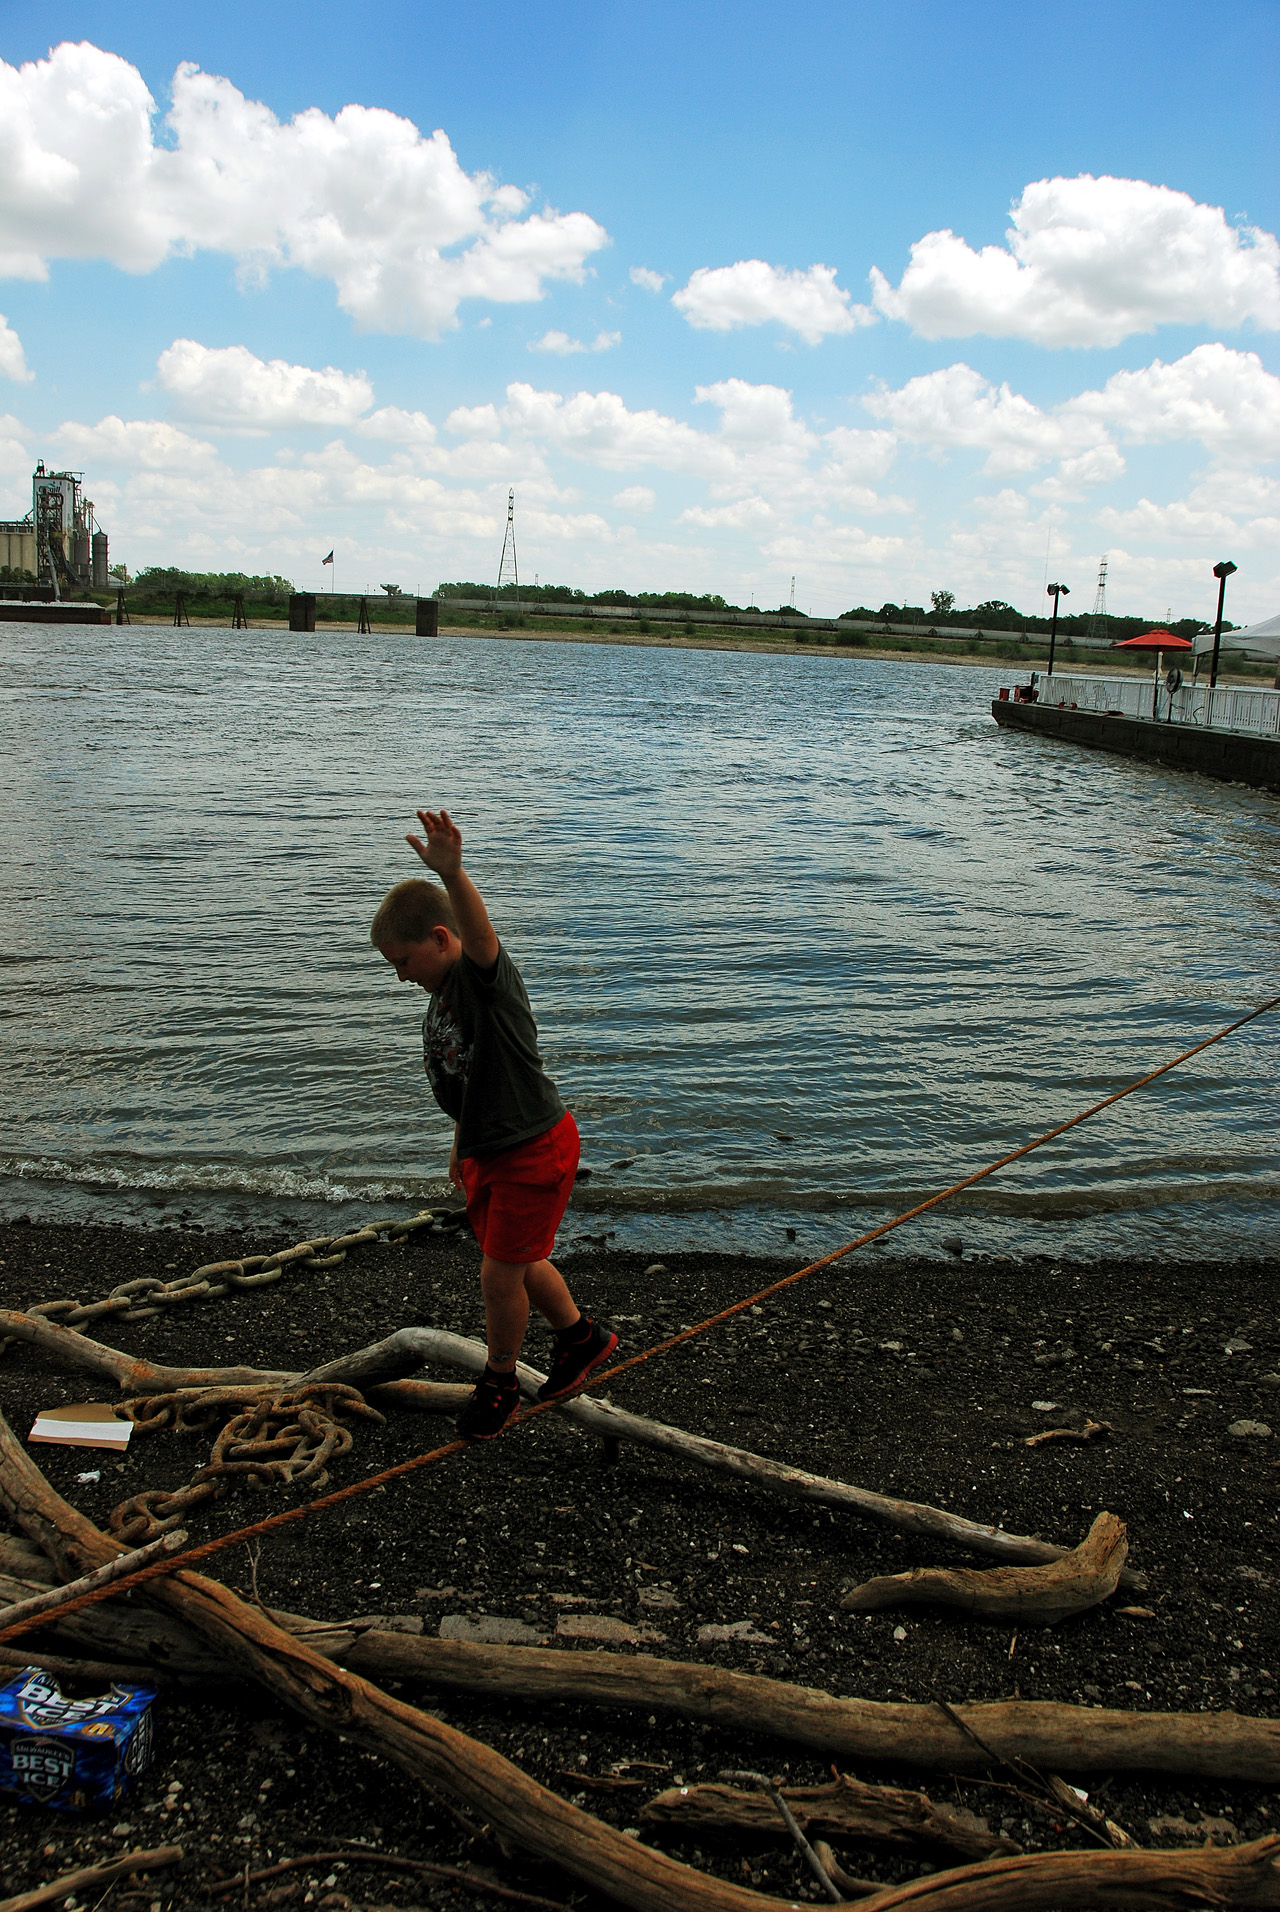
x=442 y=851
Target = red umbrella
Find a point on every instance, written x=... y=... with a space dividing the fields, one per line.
x=1155 y=641
x=1159 y=642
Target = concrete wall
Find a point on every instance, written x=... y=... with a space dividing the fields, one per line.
x=18 y=547
x=1230 y=756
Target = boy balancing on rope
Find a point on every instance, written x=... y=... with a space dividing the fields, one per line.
x=515 y=1145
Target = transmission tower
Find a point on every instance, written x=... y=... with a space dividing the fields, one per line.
x=1098 y=616
x=508 y=569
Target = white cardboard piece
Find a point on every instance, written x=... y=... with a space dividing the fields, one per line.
x=84 y=1424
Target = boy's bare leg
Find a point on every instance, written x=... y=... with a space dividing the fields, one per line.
x=506 y=1310
x=508 y=1288
x=549 y=1293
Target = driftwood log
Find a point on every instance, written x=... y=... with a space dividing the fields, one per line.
x=1236 y=1876
x=545 y=1824
x=88 y=1878
x=611 y=1423
x=133 y=1375
x=848 y=1809
x=1021 y=1596
x=62 y=1666
x=795 y=1832
x=34 y=1601
x=312 y=1861
x=381 y=1371
x=1074 y=1739
x=847 y=1882
x=1073 y=1436
x=428 y=1750
x=24 y=1561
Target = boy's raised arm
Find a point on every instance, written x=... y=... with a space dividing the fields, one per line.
x=442 y=852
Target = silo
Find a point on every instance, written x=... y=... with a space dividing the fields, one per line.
x=100 y=561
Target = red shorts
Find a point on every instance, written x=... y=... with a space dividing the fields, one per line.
x=516 y=1200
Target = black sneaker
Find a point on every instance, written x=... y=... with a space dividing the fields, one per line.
x=489 y=1409
x=575 y=1360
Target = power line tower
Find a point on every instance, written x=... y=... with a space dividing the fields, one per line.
x=1098 y=616
x=508 y=568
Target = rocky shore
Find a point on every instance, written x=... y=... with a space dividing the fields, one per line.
x=920 y=1377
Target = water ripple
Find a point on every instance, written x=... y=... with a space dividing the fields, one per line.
x=753 y=896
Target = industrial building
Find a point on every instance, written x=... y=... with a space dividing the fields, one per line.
x=58 y=544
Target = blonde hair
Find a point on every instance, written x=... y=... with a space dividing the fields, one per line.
x=409 y=912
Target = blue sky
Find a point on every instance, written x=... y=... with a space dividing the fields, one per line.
x=265 y=326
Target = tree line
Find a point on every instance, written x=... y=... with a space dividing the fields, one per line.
x=995 y=615
x=530 y=594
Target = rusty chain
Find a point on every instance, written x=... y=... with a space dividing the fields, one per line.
x=148 y=1294
x=272 y=1436
x=277 y=1435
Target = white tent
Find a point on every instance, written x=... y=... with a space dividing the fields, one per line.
x=1260 y=641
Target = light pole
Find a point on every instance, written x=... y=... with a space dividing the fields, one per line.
x=1055 y=591
x=1222 y=572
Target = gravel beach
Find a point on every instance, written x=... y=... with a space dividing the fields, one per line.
x=920 y=1377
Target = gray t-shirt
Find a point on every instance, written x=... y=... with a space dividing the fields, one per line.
x=480 y=1052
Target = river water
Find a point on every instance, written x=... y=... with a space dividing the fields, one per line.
x=807 y=939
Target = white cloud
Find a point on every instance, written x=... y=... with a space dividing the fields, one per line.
x=145 y=444
x=956 y=407
x=1101 y=464
x=362 y=199
x=719 y=298
x=13 y=360
x=595 y=426
x=1225 y=510
x=860 y=455
x=78 y=162
x=15 y=469
x=756 y=416
x=746 y=514
x=759 y=448
x=646 y=277
x=1088 y=262
x=1189 y=521
x=228 y=386
x=398 y=427
x=755 y=489
x=564 y=347
x=1224 y=398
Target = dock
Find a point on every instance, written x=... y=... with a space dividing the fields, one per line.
x=1227 y=733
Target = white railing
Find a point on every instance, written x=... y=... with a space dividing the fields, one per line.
x=1256 y=712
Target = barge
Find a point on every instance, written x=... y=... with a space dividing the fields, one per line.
x=47 y=611
x=1227 y=732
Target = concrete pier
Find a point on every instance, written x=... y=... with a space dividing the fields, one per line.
x=1233 y=757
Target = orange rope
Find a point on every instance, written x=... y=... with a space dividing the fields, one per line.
x=175 y=1563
